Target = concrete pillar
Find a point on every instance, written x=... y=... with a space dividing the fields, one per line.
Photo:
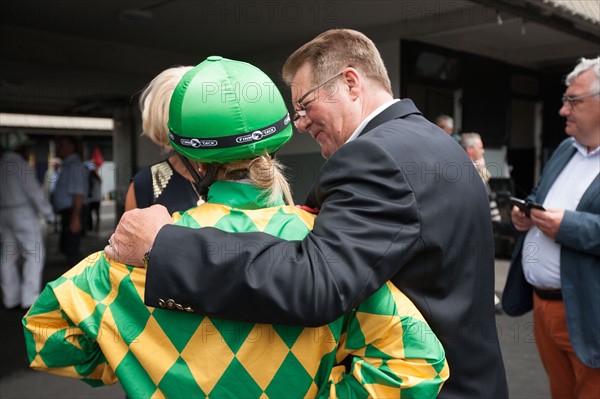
x=124 y=150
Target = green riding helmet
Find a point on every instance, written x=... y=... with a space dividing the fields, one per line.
x=224 y=110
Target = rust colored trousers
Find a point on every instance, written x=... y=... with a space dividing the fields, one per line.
x=569 y=377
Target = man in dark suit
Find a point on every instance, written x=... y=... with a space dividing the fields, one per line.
x=399 y=200
x=556 y=263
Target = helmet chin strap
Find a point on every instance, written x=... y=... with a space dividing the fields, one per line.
x=202 y=183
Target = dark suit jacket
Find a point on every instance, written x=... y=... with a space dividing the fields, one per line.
x=402 y=202
x=579 y=237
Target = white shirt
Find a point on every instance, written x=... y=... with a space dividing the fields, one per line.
x=541 y=254
x=20 y=187
x=372 y=115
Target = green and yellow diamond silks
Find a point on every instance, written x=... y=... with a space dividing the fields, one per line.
x=91 y=324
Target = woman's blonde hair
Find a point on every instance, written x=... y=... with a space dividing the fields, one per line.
x=154 y=105
x=263 y=172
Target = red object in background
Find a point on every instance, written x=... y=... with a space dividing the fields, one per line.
x=97 y=157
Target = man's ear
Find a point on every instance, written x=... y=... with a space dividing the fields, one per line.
x=353 y=82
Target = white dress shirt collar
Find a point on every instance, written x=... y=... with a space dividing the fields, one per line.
x=368 y=119
x=583 y=150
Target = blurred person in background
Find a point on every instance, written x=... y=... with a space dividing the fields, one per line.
x=446 y=123
x=555 y=269
x=170 y=183
x=473 y=146
x=22 y=204
x=50 y=179
x=94 y=197
x=51 y=176
x=68 y=197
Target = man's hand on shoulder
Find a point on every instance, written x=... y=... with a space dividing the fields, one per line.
x=135 y=234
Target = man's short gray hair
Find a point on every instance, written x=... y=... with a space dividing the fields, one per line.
x=583 y=66
x=445 y=118
x=468 y=140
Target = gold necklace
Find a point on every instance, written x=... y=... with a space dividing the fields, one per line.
x=176 y=162
x=200 y=200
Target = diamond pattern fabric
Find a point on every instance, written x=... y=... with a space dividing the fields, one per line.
x=92 y=324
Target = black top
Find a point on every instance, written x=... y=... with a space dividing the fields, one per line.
x=161 y=184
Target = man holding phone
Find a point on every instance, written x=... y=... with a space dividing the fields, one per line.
x=526 y=206
x=557 y=254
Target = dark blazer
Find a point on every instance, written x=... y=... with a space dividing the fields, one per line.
x=402 y=202
x=579 y=237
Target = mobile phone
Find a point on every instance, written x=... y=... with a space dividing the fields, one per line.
x=525 y=206
x=535 y=205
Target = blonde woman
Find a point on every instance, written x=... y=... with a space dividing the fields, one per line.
x=170 y=182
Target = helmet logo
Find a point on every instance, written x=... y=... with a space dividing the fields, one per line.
x=257 y=135
x=197 y=143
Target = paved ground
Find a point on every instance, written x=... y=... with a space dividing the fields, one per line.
x=525 y=374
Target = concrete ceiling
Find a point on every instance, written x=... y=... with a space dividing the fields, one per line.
x=75 y=57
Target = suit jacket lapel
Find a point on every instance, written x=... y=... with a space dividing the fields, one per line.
x=554 y=170
x=590 y=194
x=399 y=109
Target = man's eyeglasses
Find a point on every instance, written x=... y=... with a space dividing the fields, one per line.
x=576 y=99
x=300 y=113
